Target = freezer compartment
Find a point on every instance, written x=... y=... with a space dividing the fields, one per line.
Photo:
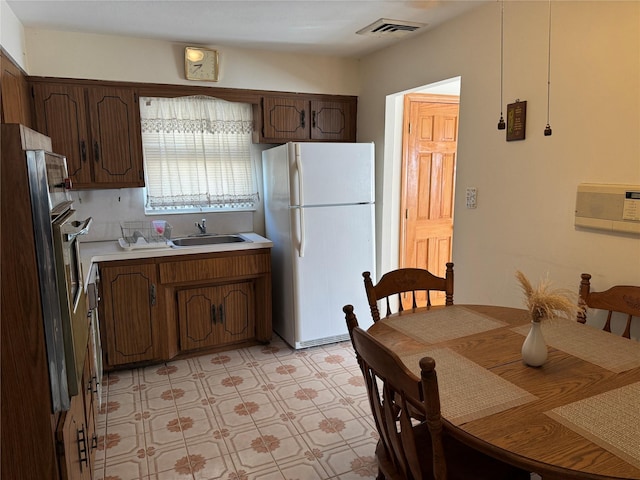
x=331 y=173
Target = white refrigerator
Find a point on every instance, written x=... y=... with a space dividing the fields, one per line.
x=319 y=214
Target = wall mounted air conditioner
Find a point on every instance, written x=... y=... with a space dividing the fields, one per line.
x=614 y=208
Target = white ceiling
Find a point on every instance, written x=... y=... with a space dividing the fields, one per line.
x=324 y=27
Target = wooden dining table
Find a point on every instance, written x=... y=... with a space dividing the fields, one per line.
x=575 y=417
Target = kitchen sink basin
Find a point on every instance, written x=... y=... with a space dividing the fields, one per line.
x=207 y=240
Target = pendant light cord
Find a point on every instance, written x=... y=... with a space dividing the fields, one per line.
x=501 y=51
x=501 y=123
x=547 y=130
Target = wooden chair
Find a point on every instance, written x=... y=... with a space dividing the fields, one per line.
x=406 y=280
x=624 y=299
x=415 y=447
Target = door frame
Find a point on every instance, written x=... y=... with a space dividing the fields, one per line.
x=388 y=163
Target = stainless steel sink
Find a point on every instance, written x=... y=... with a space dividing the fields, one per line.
x=207 y=240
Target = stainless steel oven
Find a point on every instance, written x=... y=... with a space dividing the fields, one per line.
x=75 y=320
x=60 y=272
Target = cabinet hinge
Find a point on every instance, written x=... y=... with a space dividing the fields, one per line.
x=409 y=129
x=135 y=97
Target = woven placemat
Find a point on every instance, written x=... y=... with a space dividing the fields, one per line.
x=443 y=324
x=612 y=352
x=610 y=420
x=467 y=390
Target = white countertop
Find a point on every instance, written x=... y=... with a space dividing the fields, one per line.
x=106 y=251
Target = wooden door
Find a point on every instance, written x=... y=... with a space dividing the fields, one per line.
x=129 y=312
x=237 y=303
x=332 y=120
x=61 y=115
x=116 y=139
x=216 y=315
x=428 y=179
x=285 y=118
x=16 y=101
x=198 y=317
x=74 y=443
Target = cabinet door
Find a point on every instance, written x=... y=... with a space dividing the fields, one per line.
x=198 y=317
x=16 y=101
x=236 y=312
x=285 y=119
x=115 y=135
x=74 y=443
x=216 y=315
x=333 y=120
x=61 y=114
x=129 y=308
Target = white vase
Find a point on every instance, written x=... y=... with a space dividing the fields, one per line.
x=534 y=349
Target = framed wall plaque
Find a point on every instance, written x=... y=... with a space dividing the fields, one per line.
x=516 y=120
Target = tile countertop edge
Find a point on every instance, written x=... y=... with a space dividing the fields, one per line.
x=92 y=253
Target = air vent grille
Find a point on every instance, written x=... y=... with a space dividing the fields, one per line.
x=390 y=28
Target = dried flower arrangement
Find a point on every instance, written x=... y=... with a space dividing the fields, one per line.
x=542 y=302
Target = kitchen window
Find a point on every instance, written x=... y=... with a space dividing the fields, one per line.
x=197 y=155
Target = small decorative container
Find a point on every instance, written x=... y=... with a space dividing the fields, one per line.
x=534 y=348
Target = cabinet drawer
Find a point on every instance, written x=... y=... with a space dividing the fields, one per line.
x=237 y=265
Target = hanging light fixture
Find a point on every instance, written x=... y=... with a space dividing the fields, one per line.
x=547 y=129
x=501 y=124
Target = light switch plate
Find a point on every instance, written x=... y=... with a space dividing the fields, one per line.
x=472 y=197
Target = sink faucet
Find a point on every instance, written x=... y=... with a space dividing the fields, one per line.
x=202 y=227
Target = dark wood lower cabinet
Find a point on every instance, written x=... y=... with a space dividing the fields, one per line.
x=74 y=442
x=156 y=309
x=129 y=312
x=213 y=316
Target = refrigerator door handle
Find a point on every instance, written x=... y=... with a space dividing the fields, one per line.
x=300 y=200
x=302 y=241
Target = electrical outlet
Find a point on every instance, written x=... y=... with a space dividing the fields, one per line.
x=472 y=197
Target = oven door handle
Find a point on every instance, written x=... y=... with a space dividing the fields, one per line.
x=69 y=237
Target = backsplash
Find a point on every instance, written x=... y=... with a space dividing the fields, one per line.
x=110 y=207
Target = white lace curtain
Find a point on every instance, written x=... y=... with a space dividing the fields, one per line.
x=197 y=153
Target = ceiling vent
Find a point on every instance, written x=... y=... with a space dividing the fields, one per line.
x=390 y=28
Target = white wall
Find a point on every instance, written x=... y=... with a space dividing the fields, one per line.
x=526 y=189
x=107 y=57
x=12 y=36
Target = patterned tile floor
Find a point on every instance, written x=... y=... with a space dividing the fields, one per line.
x=268 y=413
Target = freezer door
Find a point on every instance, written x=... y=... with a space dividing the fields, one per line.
x=331 y=173
x=339 y=247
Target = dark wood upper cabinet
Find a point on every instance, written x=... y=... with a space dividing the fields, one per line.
x=96 y=128
x=299 y=118
x=116 y=137
x=16 y=101
x=333 y=120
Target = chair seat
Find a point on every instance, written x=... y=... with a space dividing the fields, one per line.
x=463 y=462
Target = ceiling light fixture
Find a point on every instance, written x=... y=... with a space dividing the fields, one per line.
x=501 y=124
x=547 y=129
